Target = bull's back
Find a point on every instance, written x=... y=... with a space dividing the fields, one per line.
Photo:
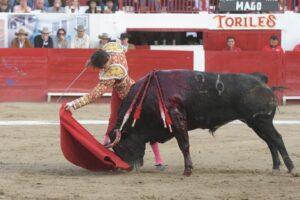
x=208 y=100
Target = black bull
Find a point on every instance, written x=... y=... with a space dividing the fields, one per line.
x=199 y=100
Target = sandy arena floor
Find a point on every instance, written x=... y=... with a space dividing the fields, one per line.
x=234 y=164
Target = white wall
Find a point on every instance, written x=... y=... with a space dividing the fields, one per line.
x=114 y=24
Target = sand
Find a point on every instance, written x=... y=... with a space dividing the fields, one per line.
x=232 y=164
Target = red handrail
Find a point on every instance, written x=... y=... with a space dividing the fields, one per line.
x=188 y=6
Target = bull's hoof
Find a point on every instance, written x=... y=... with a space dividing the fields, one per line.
x=295 y=173
x=275 y=172
x=187 y=173
x=135 y=165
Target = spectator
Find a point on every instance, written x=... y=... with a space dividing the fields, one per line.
x=191 y=40
x=200 y=6
x=52 y=2
x=74 y=7
x=297 y=48
x=150 y=5
x=273 y=45
x=109 y=8
x=92 y=4
x=104 y=39
x=4 y=6
x=22 y=8
x=60 y=39
x=43 y=40
x=231 y=45
x=57 y=7
x=11 y=4
x=81 y=39
x=124 y=41
x=21 y=41
x=39 y=7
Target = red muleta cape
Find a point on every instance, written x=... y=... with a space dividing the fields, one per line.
x=82 y=149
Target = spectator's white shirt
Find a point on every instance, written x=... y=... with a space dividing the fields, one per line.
x=83 y=42
x=53 y=10
x=19 y=9
x=21 y=45
x=69 y=10
x=38 y=11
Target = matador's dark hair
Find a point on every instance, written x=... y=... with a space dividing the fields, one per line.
x=99 y=58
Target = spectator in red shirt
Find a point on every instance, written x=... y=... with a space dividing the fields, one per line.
x=231 y=45
x=297 y=48
x=273 y=45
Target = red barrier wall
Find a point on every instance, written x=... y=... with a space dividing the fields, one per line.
x=23 y=74
x=246 y=62
x=249 y=40
x=282 y=69
x=64 y=66
x=28 y=74
x=292 y=73
x=268 y=63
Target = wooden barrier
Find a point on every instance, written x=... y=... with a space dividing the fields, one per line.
x=246 y=62
x=291 y=77
x=268 y=63
x=30 y=74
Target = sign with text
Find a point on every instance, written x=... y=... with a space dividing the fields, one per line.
x=245 y=21
x=248 y=5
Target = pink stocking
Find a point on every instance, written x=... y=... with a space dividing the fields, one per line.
x=156 y=152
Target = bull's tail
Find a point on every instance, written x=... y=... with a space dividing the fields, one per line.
x=261 y=77
x=264 y=78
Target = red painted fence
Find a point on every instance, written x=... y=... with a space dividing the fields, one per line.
x=282 y=69
x=28 y=74
x=247 y=62
x=188 y=6
x=292 y=73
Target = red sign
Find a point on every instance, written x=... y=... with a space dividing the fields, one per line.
x=226 y=21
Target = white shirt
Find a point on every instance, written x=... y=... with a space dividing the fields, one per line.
x=69 y=10
x=82 y=43
x=21 y=44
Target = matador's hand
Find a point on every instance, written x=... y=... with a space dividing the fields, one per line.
x=69 y=106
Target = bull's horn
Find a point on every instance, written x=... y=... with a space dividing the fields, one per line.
x=117 y=139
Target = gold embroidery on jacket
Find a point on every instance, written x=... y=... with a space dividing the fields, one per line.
x=123 y=87
x=113 y=47
x=97 y=92
x=115 y=71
